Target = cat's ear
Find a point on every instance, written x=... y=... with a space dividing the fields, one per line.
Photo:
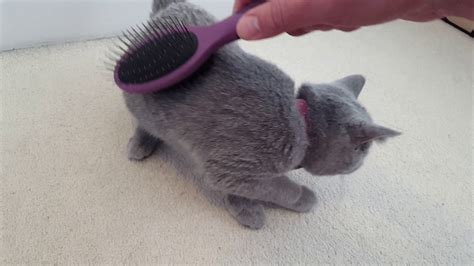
x=353 y=83
x=365 y=132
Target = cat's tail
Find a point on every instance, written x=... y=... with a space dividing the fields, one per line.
x=162 y=4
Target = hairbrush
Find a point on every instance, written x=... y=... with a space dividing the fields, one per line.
x=160 y=54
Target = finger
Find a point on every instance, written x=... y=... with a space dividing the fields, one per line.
x=303 y=31
x=272 y=18
x=348 y=29
x=306 y=30
x=297 y=33
x=324 y=28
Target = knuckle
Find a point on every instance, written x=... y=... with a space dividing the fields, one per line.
x=277 y=19
x=289 y=15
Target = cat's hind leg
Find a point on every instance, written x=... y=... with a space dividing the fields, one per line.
x=141 y=145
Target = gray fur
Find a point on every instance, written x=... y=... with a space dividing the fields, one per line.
x=340 y=131
x=237 y=121
x=353 y=84
x=162 y=4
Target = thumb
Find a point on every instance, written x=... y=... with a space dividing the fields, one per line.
x=270 y=19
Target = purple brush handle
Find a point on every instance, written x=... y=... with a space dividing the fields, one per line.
x=226 y=29
x=213 y=37
x=210 y=39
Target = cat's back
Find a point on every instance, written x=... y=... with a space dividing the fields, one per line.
x=236 y=106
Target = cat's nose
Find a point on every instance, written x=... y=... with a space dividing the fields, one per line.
x=298 y=167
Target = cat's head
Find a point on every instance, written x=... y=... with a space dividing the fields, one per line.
x=340 y=130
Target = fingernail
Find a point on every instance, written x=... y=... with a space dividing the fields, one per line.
x=248 y=27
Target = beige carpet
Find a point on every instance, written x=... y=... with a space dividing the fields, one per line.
x=69 y=195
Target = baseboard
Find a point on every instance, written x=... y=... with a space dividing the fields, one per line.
x=40 y=22
x=462 y=24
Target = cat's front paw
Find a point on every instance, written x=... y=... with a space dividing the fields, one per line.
x=253 y=217
x=138 y=149
x=248 y=213
x=306 y=201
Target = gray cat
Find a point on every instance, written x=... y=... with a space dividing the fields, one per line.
x=238 y=122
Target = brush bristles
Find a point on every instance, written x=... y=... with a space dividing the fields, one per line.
x=151 y=50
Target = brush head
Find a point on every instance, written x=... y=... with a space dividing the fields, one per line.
x=151 y=52
x=156 y=58
x=161 y=54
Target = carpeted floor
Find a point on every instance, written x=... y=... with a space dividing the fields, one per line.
x=69 y=194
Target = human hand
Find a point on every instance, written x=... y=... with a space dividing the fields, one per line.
x=298 y=17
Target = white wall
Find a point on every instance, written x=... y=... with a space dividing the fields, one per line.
x=37 y=22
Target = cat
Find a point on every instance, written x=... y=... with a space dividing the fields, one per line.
x=237 y=119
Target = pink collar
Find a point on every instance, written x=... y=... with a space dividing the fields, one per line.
x=303 y=108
